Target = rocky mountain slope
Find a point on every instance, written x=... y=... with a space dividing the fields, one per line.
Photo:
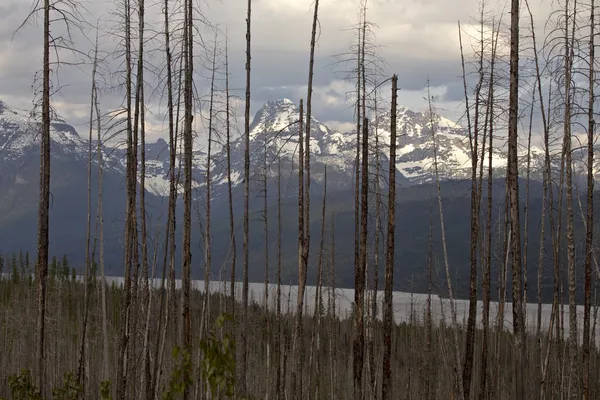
x=274 y=139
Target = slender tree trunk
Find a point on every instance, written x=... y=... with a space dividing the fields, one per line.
x=526 y=209
x=332 y=318
x=186 y=342
x=44 y=205
x=573 y=387
x=473 y=144
x=170 y=226
x=319 y=292
x=278 y=386
x=359 y=278
x=428 y=323
x=230 y=184
x=357 y=158
x=81 y=370
x=513 y=183
x=308 y=130
x=486 y=279
x=130 y=215
x=458 y=370
x=266 y=294
x=145 y=299
x=244 y=360
x=299 y=342
x=105 y=348
x=386 y=383
x=547 y=193
x=373 y=322
x=135 y=303
x=207 y=236
x=590 y=216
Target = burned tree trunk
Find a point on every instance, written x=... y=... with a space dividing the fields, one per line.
x=359 y=278
x=44 y=204
x=244 y=360
x=386 y=383
x=513 y=184
x=589 y=217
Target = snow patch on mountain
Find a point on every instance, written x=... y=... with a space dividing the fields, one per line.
x=274 y=137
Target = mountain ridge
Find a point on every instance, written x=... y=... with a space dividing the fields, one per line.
x=275 y=126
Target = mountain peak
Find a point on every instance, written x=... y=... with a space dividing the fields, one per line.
x=274 y=116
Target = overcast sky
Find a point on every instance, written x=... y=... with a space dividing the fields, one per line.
x=418 y=40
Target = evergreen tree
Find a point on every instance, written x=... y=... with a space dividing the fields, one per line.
x=21 y=263
x=15 y=269
x=65 y=268
x=53 y=268
x=27 y=265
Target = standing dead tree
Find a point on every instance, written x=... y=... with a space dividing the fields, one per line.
x=359 y=277
x=83 y=343
x=473 y=131
x=169 y=249
x=513 y=185
x=386 y=383
x=299 y=340
x=278 y=333
x=486 y=278
x=433 y=126
x=567 y=146
x=130 y=212
x=229 y=182
x=244 y=361
x=589 y=214
x=188 y=42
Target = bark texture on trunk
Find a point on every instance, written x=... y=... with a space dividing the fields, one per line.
x=589 y=238
x=44 y=205
x=513 y=183
x=386 y=383
x=244 y=360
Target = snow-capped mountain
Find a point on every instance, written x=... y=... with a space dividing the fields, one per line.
x=19 y=134
x=273 y=140
x=415 y=148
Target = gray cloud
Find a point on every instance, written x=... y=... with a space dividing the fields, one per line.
x=418 y=42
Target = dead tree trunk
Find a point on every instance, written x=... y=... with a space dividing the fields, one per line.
x=278 y=386
x=359 y=278
x=207 y=236
x=473 y=144
x=428 y=322
x=513 y=183
x=266 y=294
x=44 y=204
x=589 y=216
x=130 y=216
x=229 y=183
x=299 y=340
x=332 y=318
x=187 y=184
x=486 y=279
x=458 y=366
x=244 y=360
x=146 y=384
x=569 y=56
x=373 y=322
x=81 y=368
x=386 y=383
x=170 y=226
